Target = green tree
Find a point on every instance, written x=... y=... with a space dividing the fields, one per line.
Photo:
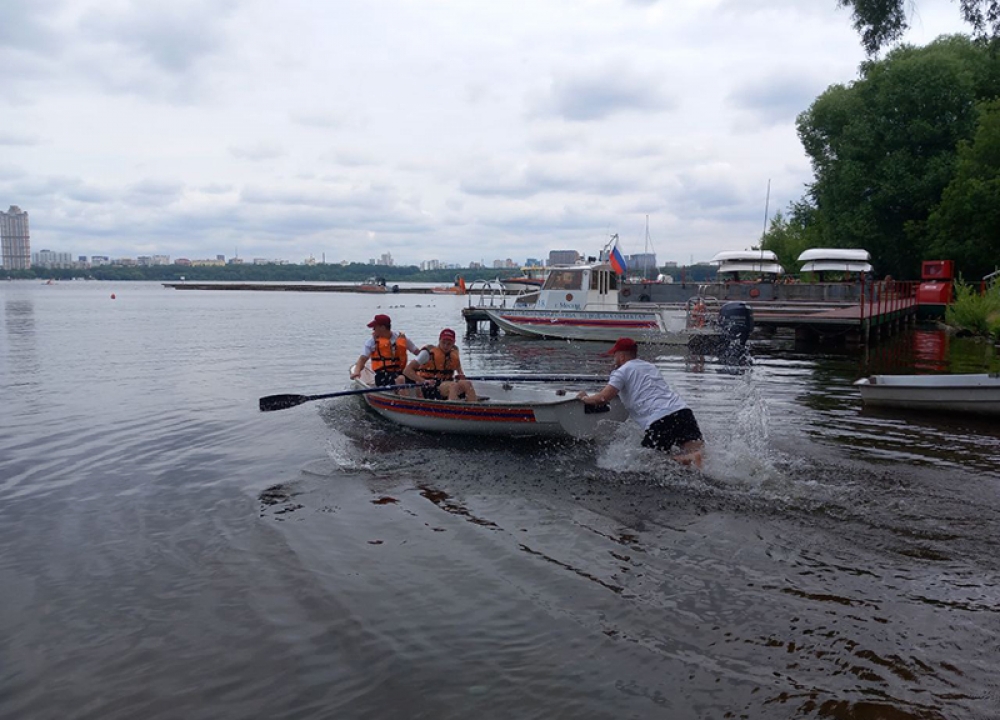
x=883 y=22
x=789 y=236
x=965 y=226
x=884 y=147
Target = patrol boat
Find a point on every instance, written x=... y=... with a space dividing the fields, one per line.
x=581 y=302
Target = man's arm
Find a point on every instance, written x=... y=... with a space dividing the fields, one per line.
x=606 y=395
x=359 y=365
x=410 y=371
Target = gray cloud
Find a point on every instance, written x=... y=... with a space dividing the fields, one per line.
x=262 y=150
x=777 y=98
x=25 y=25
x=12 y=138
x=173 y=36
x=615 y=88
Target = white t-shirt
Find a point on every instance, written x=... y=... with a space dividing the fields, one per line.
x=370 y=344
x=644 y=392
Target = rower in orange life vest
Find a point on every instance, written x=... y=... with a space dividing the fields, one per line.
x=438 y=367
x=387 y=351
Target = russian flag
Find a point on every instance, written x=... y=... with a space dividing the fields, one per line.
x=617 y=261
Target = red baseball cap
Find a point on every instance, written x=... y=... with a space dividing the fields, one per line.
x=447 y=333
x=623 y=344
x=380 y=320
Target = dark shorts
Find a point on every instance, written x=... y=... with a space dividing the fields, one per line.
x=672 y=430
x=432 y=393
x=385 y=377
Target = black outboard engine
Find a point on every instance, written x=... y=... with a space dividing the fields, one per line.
x=736 y=322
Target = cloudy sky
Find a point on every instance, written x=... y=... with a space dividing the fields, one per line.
x=456 y=130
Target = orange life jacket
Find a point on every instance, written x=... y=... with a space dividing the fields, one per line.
x=388 y=355
x=441 y=366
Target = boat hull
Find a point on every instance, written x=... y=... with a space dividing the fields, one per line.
x=645 y=326
x=511 y=411
x=977 y=394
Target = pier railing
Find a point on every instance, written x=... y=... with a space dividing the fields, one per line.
x=886 y=299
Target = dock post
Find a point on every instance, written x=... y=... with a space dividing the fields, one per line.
x=471 y=326
x=494 y=329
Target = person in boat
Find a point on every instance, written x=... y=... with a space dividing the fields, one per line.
x=669 y=423
x=439 y=368
x=387 y=351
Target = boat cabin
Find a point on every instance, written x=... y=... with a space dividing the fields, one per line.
x=579 y=287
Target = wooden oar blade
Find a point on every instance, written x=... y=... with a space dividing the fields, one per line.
x=282 y=402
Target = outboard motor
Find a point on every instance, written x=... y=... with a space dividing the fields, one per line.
x=736 y=322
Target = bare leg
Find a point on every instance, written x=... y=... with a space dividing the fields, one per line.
x=690 y=453
x=465 y=386
x=403 y=380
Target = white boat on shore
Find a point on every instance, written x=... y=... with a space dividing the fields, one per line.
x=977 y=394
x=581 y=302
x=844 y=260
x=507 y=408
x=746 y=264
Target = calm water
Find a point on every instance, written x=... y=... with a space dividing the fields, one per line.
x=168 y=551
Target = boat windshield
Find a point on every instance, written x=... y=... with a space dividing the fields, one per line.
x=564 y=280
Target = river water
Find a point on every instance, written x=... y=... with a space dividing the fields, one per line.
x=170 y=552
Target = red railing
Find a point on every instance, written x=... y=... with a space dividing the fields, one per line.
x=887 y=297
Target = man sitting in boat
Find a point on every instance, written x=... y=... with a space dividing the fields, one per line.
x=652 y=403
x=387 y=351
x=439 y=369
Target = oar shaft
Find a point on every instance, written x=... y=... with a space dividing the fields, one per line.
x=283 y=402
x=539 y=378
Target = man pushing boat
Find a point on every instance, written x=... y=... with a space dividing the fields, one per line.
x=652 y=403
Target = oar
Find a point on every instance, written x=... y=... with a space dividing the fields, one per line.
x=539 y=378
x=282 y=402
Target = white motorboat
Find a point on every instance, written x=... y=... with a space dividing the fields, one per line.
x=851 y=260
x=508 y=408
x=581 y=302
x=743 y=264
x=961 y=393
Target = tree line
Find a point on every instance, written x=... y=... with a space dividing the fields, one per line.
x=906 y=163
x=270 y=272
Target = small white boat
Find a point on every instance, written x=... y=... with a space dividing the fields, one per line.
x=581 y=302
x=852 y=260
x=510 y=409
x=734 y=263
x=974 y=393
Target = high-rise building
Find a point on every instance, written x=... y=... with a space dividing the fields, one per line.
x=15 y=244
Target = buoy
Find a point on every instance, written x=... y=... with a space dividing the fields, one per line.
x=112 y=296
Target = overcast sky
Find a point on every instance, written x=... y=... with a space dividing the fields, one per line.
x=431 y=129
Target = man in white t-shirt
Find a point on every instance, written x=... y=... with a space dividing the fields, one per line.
x=650 y=401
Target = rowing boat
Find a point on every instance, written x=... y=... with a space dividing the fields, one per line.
x=977 y=394
x=506 y=408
